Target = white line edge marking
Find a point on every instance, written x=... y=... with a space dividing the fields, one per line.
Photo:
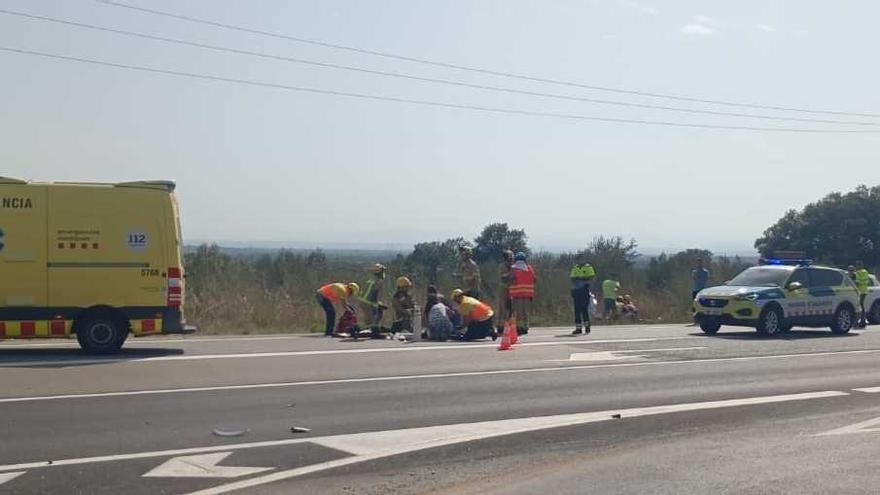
x=425 y=376
x=321 y=352
x=358 y=441
x=868 y=390
x=375 y=445
x=5 y=477
x=454 y=374
x=152 y=340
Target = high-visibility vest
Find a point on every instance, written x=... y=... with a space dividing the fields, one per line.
x=582 y=271
x=370 y=294
x=523 y=285
x=474 y=309
x=334 y=292
x=863 y=280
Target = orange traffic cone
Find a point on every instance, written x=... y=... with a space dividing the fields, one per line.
x=510 y=327
x=505 y=341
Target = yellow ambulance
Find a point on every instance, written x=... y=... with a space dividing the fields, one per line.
x=99 y=261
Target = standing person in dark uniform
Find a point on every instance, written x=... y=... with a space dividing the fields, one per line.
x=582 y=273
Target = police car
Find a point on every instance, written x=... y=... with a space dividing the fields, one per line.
x=778 y=295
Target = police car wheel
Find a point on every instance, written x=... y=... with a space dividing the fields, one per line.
x=770 y=322
x=710 y=327
x=874 y=314
x=843 y=321
x=100 y=334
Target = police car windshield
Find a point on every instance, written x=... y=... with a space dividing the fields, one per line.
x=758 y=276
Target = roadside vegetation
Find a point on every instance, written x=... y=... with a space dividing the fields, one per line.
x=274 y=291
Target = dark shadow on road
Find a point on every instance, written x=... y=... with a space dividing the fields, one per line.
x=792 y=335
x=61 y=358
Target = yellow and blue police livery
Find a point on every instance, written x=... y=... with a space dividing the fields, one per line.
x=778 y=295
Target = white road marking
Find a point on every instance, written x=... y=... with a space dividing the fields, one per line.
x=201 y=466
x=454 y=374
x=868 y=390
x=375 y=445
x=324 y=352
x=618 y=355
x=381 y=441
x=5 y=477
x=148 y=340
x=863 y=427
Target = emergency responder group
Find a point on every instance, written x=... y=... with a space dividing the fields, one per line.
x=468 y=316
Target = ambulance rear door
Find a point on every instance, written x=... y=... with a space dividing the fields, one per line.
x=23 y=278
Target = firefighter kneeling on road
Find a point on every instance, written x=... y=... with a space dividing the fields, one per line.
x=522 y=292
x=476 y=315
x=331 y=295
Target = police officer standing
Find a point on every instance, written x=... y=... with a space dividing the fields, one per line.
x=582 y=273
x=863 y=280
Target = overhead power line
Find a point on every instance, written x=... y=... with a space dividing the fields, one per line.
x=429 y=103
x=328 y=65
x=478 y=69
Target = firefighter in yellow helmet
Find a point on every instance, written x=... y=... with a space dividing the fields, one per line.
x=335 y=295
x=404 y=307
x=371 y=308
x=477 y=316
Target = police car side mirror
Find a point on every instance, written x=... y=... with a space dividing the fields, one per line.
x=795 y=286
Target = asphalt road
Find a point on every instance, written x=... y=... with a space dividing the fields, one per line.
x=627 y=409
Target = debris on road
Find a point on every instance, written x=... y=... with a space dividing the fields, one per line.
x=299 y=429
x=615 y=416
x=229 y=432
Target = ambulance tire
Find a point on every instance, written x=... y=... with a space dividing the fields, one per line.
x=101 y=333
x=771 y=322
x=844 y=319
x=874 y=314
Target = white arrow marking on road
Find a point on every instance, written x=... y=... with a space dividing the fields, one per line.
x=378 y=444
x=202 y=466
x=618 y=355
x=4 y=477
x=602 y=356
x=863 y=427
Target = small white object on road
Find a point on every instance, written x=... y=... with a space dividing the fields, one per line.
x=202 y=466
x=229 y=432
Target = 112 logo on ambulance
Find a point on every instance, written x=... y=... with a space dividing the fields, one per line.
x=137 y=241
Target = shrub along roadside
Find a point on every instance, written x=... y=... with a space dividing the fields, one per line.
x=273 y=293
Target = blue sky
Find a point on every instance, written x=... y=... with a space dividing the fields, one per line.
x=260 y=164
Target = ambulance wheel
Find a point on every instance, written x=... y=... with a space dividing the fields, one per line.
x=844 y=318
x=770 y=322
x=874 y=314
x=100 y=333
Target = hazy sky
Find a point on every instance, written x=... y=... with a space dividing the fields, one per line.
x=263 y=164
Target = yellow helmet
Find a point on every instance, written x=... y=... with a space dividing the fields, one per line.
x=456 y=294
x=378 y=268
x=403 y=282
x=353 y=288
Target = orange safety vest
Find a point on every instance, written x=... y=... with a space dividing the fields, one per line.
x=523 y=285
x=334 y=292
x=475 y=310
